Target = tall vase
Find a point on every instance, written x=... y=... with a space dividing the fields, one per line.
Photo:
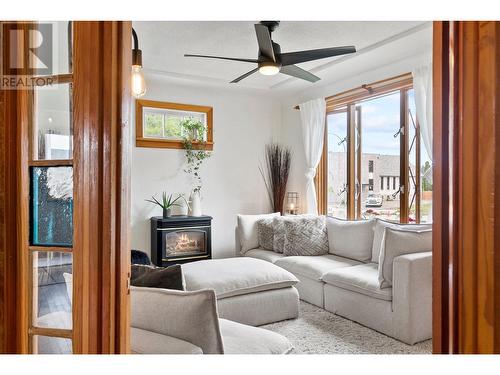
x=195 y=203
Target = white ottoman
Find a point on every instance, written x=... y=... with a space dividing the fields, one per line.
x=249 y=291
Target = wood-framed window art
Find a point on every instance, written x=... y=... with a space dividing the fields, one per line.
x=157 y=123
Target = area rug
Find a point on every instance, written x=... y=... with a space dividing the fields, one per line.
x=318 y=331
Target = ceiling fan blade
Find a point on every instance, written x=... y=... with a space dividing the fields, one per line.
x=291 y=58
x=265 y=42
x=244 y=75
x=224 y=58
x=295 y=71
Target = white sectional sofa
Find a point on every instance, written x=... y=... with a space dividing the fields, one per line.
x=346 y=281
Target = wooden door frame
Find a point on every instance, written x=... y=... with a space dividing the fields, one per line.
x=101 y=249
x=466 y=236
x=102 y=140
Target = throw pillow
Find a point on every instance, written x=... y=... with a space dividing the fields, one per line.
x=265 y=233
x=398 y=242
x=378 y=233
x=305 y=235
x=247 y=230
x=279 y=234
x=350 y=239
x=157 y=277
x=139 y=257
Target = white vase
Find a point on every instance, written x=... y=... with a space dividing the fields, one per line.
x=195 y=203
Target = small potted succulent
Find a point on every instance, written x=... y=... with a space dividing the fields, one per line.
x=167 y=203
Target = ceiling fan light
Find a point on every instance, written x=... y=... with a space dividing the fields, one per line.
x=269 y=68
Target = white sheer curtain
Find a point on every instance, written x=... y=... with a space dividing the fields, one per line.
x=422 y=84
x=312 y=115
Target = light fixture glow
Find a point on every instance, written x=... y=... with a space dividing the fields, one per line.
x=269 y=68
x=138 y=81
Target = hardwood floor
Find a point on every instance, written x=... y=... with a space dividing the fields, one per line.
x=54 y=304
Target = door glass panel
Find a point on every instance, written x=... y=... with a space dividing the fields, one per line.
x=380 y=122
x=52 y=206
x=52 y=289
x=337 y=164
x=59 y=35
x=51 y=345
x=52 y=127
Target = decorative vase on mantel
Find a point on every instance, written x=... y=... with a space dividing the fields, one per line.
x=167 y=212
x=195 y=203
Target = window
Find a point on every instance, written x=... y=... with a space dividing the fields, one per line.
x=389 y=171
x=158 y=124
x=336 y=128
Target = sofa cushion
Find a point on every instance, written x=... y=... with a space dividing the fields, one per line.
x=305 y=236
x=362 y=278
x=398 y=242
x=313 y=267
x=189 y=316
x=265 y=233
x=350 y=239
x=247 y=227
x=242 y=339
x=378 y=233
x=148 y=342
x=263 y=254
x=235 y=276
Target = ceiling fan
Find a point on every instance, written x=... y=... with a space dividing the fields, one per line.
x=271 y=61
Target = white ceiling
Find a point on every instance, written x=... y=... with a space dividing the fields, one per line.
x=165 y=43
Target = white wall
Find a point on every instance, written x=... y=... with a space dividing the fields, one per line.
x=243 y=123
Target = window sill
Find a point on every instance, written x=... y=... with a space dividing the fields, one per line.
x=162 y=143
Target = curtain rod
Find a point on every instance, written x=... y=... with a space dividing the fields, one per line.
x=368 y=87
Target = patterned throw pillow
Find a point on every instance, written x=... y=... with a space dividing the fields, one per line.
x=265 y=233
x=306 y=235
x=279 y=234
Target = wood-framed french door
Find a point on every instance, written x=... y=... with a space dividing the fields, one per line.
x=466 y=144
x=64 y=195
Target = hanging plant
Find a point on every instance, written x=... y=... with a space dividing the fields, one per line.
x=194 y=142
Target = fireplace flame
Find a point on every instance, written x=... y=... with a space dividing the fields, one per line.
x=185 y=243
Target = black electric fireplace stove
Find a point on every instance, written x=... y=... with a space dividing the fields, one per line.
x=180 y=239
